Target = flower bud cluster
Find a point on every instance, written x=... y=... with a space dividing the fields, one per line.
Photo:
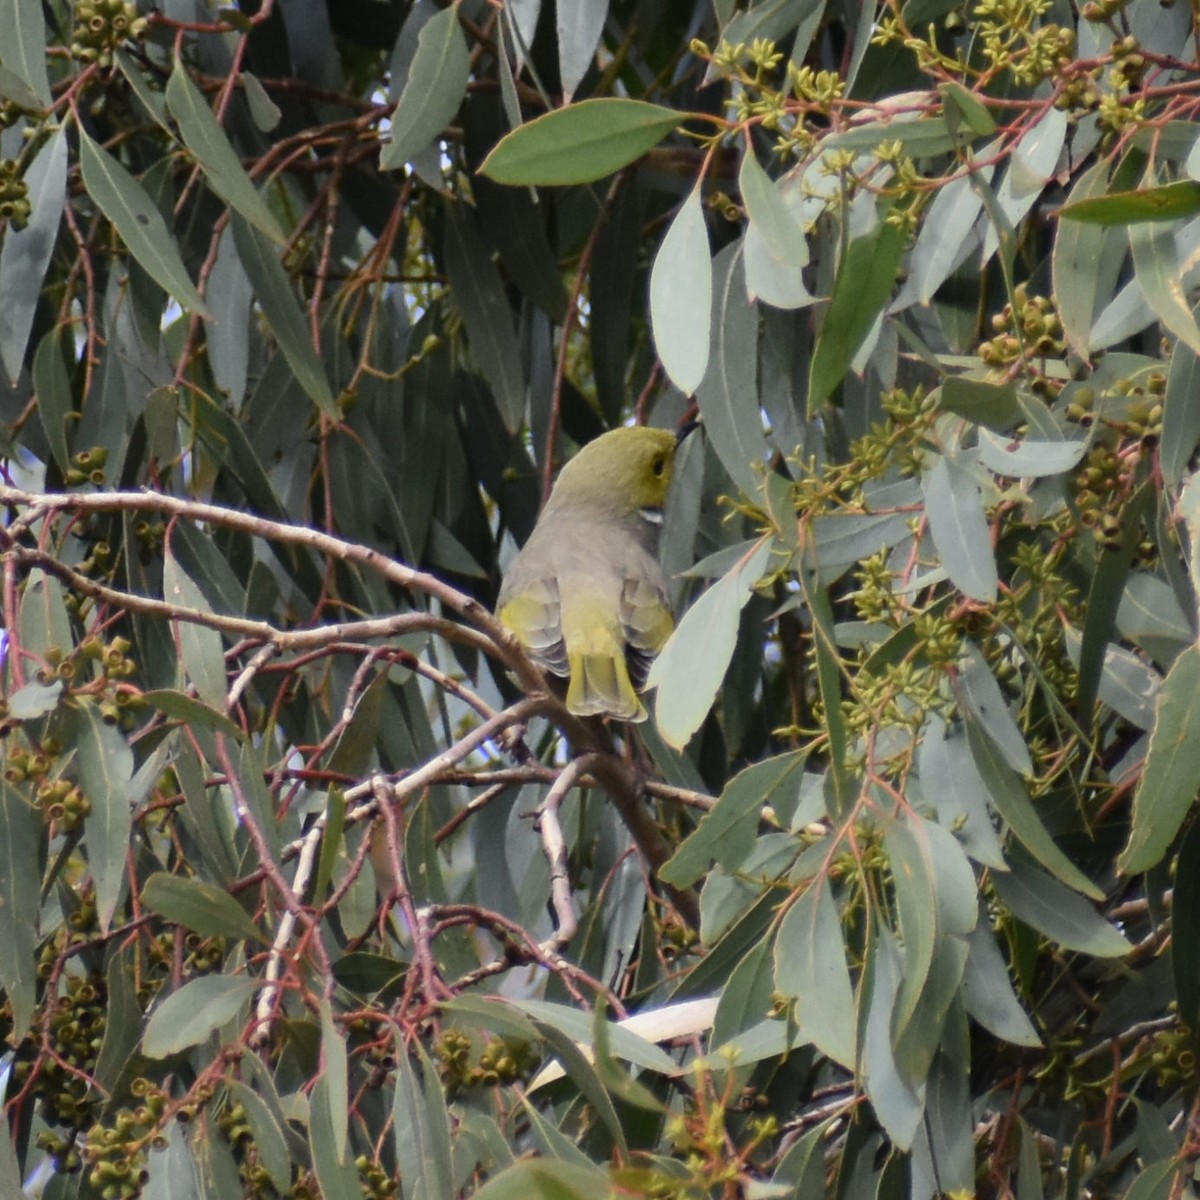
x=101 y=26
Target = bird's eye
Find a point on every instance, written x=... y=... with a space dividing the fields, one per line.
x=660 y=465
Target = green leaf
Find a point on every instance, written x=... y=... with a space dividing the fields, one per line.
x=993 y=405
x=25 y=46
x=1156 y=1182
x=546 y=1179
x=202 y=907
x=421 y=1127
x=988 y=991
x=681 y=283
x=270 y=1139
x=967 y=109
x=577 y=1026
x=35 y=700
x=1185 y=932
x=579 y=24
x=187 y=1016
x=810 y=965
x=1029 y=1166
x=579 y=143
x=105 y=775
x=913 y=880
x=123 y=1029
x=188 y=709
x=897 y=1106
x=1171 y=774
x=1181 y=414
x=1169 y=202
x=1028 y=458
x=26 y=253
x=283 y=313
x=337 y=1177
x=1043 y=903
x=728 y=393
x=209 y=145
x=125 y=203
x=689 y=670
x=727 y=832
x=201 y=648
x=20 y=892
x=433 y=91
x=1149 y=609
x=479 y=292
x=1074 y=260
x=56 y=404
x=829 y=680
x=944 y=233
x=959 y=524
x=769 y=213
x=1011 y=801
x=951 y=781
x=864 y=283
x=747 y=998
x=335 y=1073
x=1159 y=269
x=981 y=694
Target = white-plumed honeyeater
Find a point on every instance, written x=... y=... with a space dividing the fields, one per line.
x=586 y=596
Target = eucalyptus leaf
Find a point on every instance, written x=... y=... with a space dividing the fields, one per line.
x=580 y=142
x=187 y=1016
x=681 y=285
x=810 y=966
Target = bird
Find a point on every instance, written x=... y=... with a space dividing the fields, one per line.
x=586 y=596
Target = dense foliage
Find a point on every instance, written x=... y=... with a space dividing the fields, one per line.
x=307 y=879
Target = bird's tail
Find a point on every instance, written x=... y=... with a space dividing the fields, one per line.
x=600 y=683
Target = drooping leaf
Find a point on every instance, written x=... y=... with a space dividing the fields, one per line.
x=20 y=887
x=579 y=24
x=913 y=881
x=274 y=292
x=982 y=696
x=546 y=1179
x=335 y=1075
x=726 y=833
x=1159 y=269
x=1074 y=259
x=25 y=254
x=25 y=47
x=728 y=393
x=681 y=296
x=1181 y=415
x=1041 y=901
x=865 y=279
x=958 y=521
x=1011 y=801
x=126 y=204
x=988 y=991
x=691 y=666
x=433 y=91
x=479 y=291
x=1028 y=458
x=1171 y=775
x=106 y=777
x=207 y=141
x=770 y=214
x=810 y=965
x=202 y=651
